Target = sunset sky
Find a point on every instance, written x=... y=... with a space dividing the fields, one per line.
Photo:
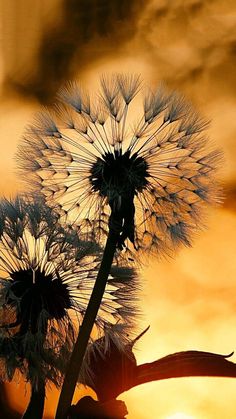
x=190 y=301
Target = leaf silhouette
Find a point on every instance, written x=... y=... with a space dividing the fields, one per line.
x=112 y=368
x=185 y=364
x=115 y=371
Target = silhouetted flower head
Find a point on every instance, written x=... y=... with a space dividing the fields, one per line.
x=46 y=277
x=147 y=163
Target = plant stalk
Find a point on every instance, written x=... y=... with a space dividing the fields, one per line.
x=36 y=404
x=35 y=407
x=75 y=363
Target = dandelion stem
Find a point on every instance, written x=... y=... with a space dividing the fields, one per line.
x=36 y=404
x=79 y=350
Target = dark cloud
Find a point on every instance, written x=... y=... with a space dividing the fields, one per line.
x=190 y=44
x=87 y=30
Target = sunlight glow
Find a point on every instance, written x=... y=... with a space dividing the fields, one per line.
x=180 y=415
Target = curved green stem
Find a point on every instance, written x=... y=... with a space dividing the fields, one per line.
x=79 y=350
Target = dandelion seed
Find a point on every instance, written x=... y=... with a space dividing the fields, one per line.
x=95 y=167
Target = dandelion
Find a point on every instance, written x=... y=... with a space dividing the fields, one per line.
x=46 y=277
x=150 y=173
x=136 y=177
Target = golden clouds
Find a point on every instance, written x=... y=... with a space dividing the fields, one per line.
x=190 y=42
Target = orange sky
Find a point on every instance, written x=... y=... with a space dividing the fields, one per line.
x=191 y=45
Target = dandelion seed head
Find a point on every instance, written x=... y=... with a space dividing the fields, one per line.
x=116 y=174
x=47 y=274
x=26 y=286
x=148 y=161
